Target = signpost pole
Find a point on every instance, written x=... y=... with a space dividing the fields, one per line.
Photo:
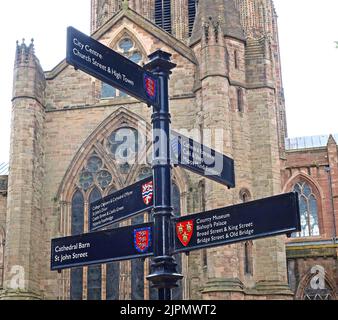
x=164 y=274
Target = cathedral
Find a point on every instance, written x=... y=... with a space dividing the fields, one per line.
x=66 y=134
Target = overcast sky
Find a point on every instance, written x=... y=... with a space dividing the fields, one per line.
x=307 y=32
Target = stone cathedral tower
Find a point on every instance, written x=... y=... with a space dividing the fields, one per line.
x=63 y=147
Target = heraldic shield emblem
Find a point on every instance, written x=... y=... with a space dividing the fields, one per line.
x=150 y=86
x=147 y=193
x=142 y=239
x=184 y=231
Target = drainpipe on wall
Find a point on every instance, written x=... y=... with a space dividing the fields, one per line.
x=328 y=170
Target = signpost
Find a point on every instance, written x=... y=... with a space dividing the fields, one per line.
x=103 y=63
x=102 y=247
x=262 y=218
x=252 y=220
x=200 y=159
x=121 y=205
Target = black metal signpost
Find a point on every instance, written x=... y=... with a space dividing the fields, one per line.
x=122 y=204
x=164 y=275
x=167 y=235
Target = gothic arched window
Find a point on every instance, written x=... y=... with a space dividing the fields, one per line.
x=308 y=210
x=76 y=277
x=127 y=48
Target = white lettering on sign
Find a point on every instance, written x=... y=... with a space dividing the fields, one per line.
x=93 y=52
x=71 y=252
x=87 y=53
x=217 y=228
x=78 y=43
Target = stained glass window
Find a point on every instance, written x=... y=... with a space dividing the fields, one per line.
x=104 y=178
x=76 y=286
x=94 y=164
x=86 y=180
x=76 y=275
x=77 y=213
x=113 y=281
x=308 y=210
x=94 y=274
x=126 y=44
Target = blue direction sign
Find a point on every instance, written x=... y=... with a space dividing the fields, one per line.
x=103 y=63
x=200 y=159
x=122 y=204
x=102 y=247
x=257 y=219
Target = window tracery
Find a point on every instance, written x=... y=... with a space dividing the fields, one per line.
x=308 y=210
